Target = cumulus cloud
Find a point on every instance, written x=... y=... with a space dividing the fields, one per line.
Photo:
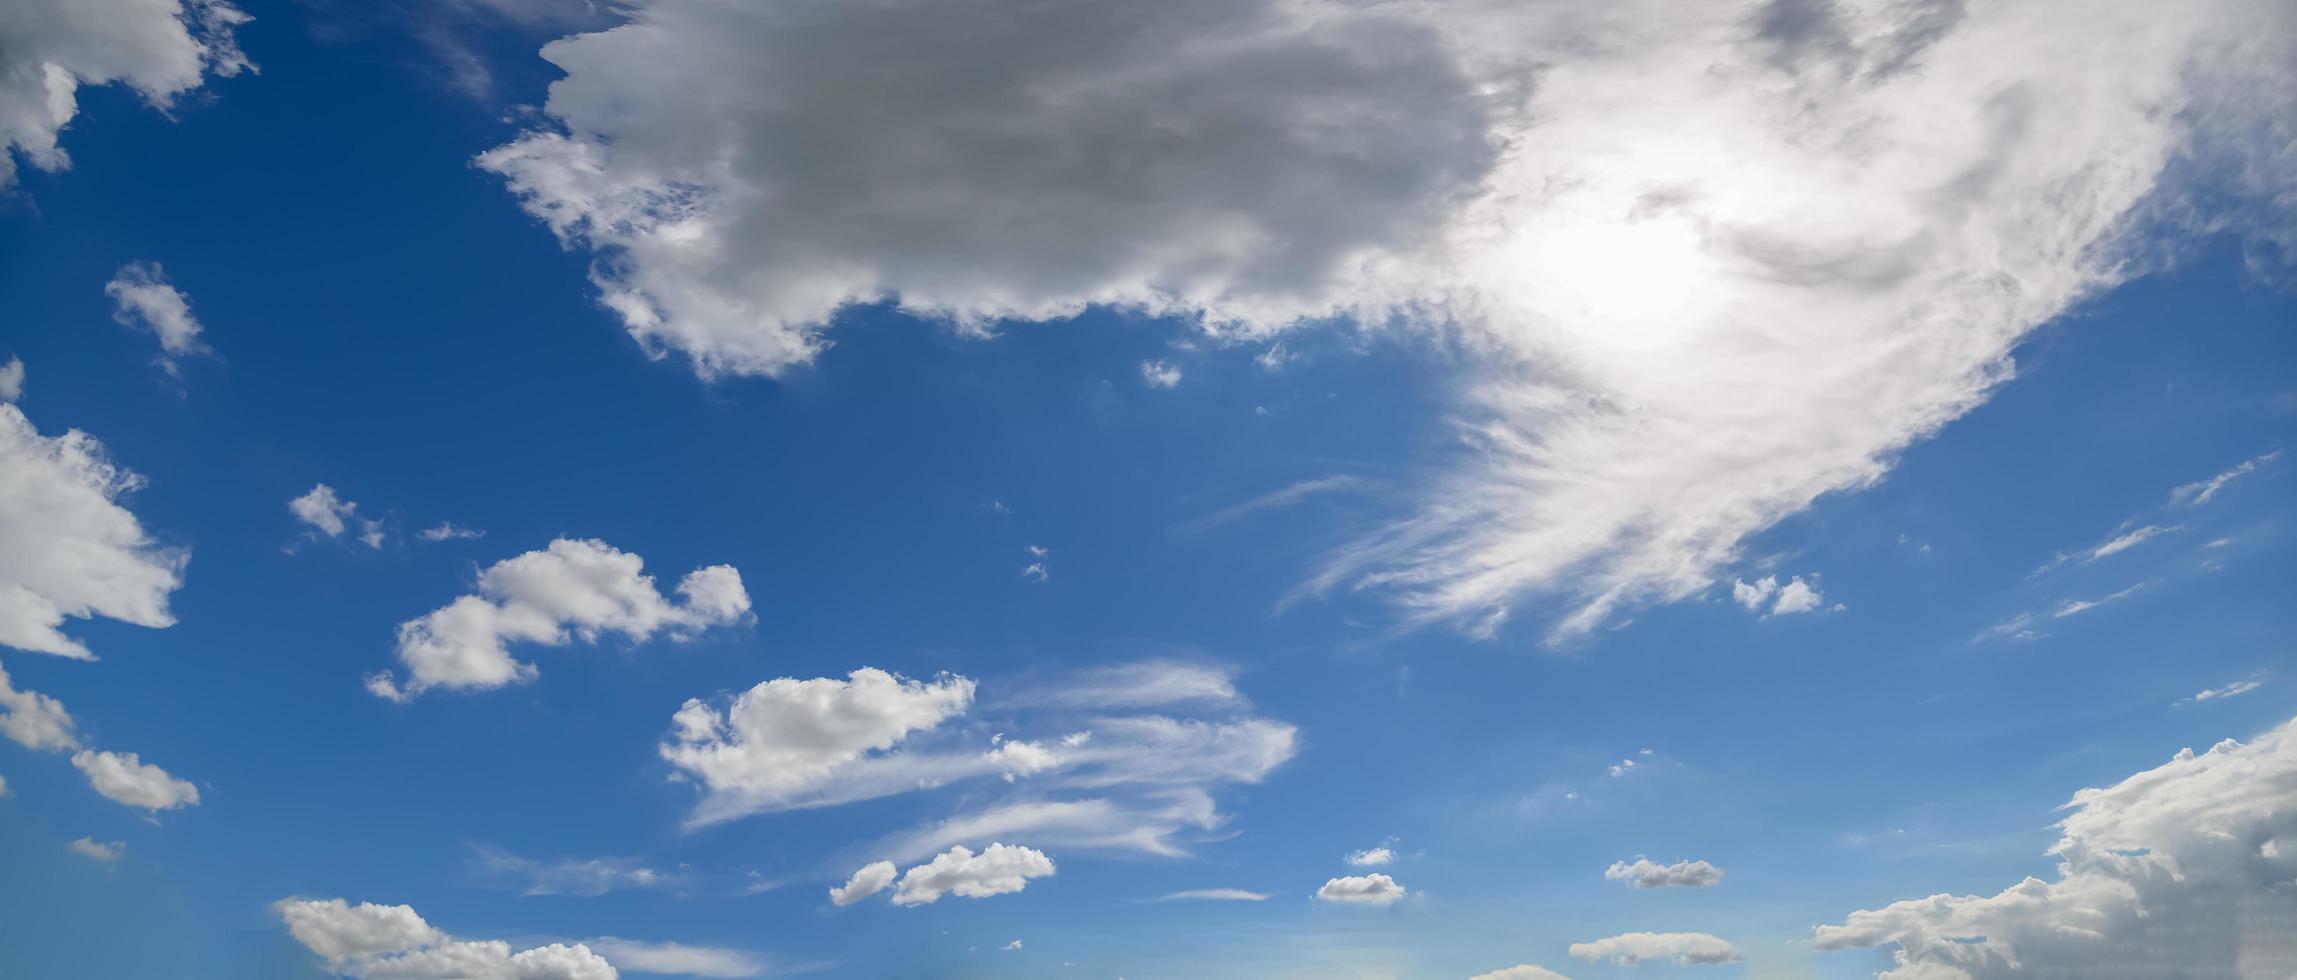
x=1212 y=895
x=2199 y=492
x=677 y=958
x=868 y=880
x=1522 y=972
x=73 y=550
x=1687 y=948
x=574 y=589
x=999 y=870
x=1709 y=266
x=96 y=850
x=1645 y=873
x=1373 y=889
x=1767 y=597
x=390 y=942
x=34 y=720
x=12 y=379
x=779 y=744
x=124 y=778
x=1160 y=374
x=159 y=48
x=331 y=515
x=1372 y=858
x=142 y=297
x=2181 y=870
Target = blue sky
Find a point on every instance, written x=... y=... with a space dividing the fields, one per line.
x=1270 y=540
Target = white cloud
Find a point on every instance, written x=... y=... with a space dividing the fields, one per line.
x=1212 y=895
x=868 y=880
x=391 y=942
x=12 y=380
x=95 y=850
x=124 y=778
x=330 y=515
x=1015 y=944
x=2124 y=538
x=999 y=870
x=1796 y=596
x=1160 y=374
x=677 y=958
x=1272 y=500
x=1139 y=684
x=34 y=720
x=1373 y=858
x=2075 y=607
x=1687 y=948
x=1645 y=873
x=73 y=551
x=567 y=876
x=2235 y=689
x=2199 y=492
x=143 y=297
x=780 y=744
x=1373 y=889
x=450 y=531
x=1523 y=972
x=2181 y=870
x=159 y=48
x=573 y=589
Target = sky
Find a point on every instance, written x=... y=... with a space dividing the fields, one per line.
x=544 y=490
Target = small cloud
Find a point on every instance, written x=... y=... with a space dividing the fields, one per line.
x=1212 y=895
x=1034 y=572
x=450 y=531
x=1768 y=598
x=1015 y=944
x=1274 y=358
x=1160 y=374
x=12 y=380
x=2198 y=492
x=96 y=850
x=2233 y=690
x=1375 y=889
x=143 y=298
x=2073 y=607
x=1373 y=858
x=1647 y=874
x=330 y=515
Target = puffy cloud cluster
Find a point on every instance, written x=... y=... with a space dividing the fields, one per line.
x=73 y=551
x=1710 y=264
x=868 y=880
x=50 y=48
x=1372 y=889
x=331 y=515
x=123 y=778
x=1000 y=869
x=1646 y=873
x=2186 y=869
x=1105 y=774
x=1687 y=948
x=572 y=589
x=391 y=942
x=1767 y=597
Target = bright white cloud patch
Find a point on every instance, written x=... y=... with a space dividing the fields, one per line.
x=1713 y=263
x=142 y=297
x=677 y=958
x=1522 y=972
x=1687 y=948
x=868 y=880
x=1212 y=895
x=1372 y=858
x=1768 y=598
x=781 y=743
x=2182 y=870
x=1645 y=873
x=331 y=515
x=999 y=870
x=1372 y=889
x=124 y=778
x=50 y=48
x=574 y=589
x=96 y=850
x=12 y=380
x=391 y=942
x=34 y=720
x=72 y=550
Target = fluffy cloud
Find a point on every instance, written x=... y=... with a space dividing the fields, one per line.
x=96 y=850
x=12 y=380
x=573 y=589
x=677 y=958
x=2182 y=870
x=159 y=48
x=143 y=297
x=782 y=741
x=1709 y=265
x=72 y=549
x=391 y=942
x=1645 y=873
x=34 y=720
x=1160 y=374
x=123 y=778
x=1373 y=889
x=1001 y=869
x=2199 y=492
x=1797 y=596
x=1523 y=972
x=868 y=880
x=1373 y=858
x=1687 y=948
x=330 y=515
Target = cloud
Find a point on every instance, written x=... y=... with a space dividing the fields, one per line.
x=1522 y=972
x=34 y=720
x=1160 y=374
x=391 y=942
x=1645 y=873
x=2123 y=539
x=123 y=778
x=2184 y=869
x=450 y=531
x=1797 y=596
x=73 y=551
x=2075 y=607
x=572 y=589
x=1373 y=889
x=1138 y=684
x=999 y=870
x=1273 y=500
x=330 y=515
x=677 y=958
x=12 y=380
x=1373 y=858
x=142 y=297
x=868 y=880
x=782 y=743
x=95 y=850
x=1686 y=948
x=2199 y=492
x=1212 y=895
x=588 y=877
x=160 y=49
x=1015 y=944
x=2235 y=689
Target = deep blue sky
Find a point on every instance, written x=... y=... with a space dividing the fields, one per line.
x=386 y=322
